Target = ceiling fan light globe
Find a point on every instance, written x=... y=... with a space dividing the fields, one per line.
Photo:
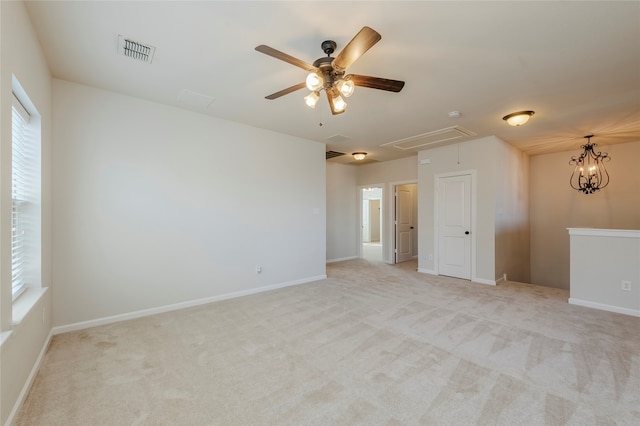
x=311 y=99
x=314 y=81
x=346 y=87
x=339 y=104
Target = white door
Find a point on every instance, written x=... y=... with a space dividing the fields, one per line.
x=374 y=221
x=454 y=226
x=404 y=223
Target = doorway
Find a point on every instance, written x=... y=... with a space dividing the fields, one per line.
x=405 y=222
x=371 y=241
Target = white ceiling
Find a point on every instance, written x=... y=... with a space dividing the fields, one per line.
x=575 y=63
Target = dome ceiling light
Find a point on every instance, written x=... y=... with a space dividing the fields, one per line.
x=518 y=118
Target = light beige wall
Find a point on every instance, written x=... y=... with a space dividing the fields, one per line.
x=342 y=232
x=599 y=284
x=554 y=207
x=154 y=208
x=512 y=213
x=21 y=55
x=400 y=170
x=478 y=155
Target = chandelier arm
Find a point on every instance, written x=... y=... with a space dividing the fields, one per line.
x=571 y=180
x=606 y=175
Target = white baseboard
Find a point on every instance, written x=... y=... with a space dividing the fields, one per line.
x=341 y=259
x=483 y=281
x=176 y=306
x=475 y=280
x=27 y=385
x=603 y=307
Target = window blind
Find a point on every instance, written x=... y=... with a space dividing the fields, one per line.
x=20 y=174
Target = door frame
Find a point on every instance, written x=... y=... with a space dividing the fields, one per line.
x=392 y=208
x=436 y=216
x=383 y=216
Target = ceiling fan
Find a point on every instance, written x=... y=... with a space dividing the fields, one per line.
x=328 y=73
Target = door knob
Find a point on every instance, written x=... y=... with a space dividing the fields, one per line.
x=466 y=232
x=412 y=227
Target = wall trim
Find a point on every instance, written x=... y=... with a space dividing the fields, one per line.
x=177 y=306
x=474 y=280
x=27 y=385
x=503 y=278
x=483 y=281
x=592 y=232
x=603 y=307
x=341 y=259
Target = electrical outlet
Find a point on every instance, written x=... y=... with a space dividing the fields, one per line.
x=258 y=269
x=626 y=285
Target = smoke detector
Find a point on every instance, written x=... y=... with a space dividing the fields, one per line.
x=135 y=50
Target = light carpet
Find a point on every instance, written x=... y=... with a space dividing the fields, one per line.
x=374 y=344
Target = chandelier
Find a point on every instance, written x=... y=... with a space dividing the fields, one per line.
x=589 y=174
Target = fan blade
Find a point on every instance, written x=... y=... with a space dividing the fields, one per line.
x=284 y=57
x=286 y=91
x=376 y=82
x=362 y=42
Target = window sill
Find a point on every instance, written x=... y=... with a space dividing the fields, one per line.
x=21 y=308
x=4 y=336
x=25 y=303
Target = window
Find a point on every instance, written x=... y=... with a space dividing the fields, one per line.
x=25 y=196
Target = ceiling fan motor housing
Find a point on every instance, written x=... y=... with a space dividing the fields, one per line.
x=329 y=74
x=329 y=46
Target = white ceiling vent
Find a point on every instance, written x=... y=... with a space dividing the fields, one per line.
x=195 y=100
x=448 y=134
x=338 y=138
x=135 y=50
x=333 y=154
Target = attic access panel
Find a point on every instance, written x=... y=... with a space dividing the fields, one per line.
x=447 y=134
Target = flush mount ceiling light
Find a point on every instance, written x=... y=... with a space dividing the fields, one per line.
x=589 y=174
x=518 y=118
x=329 y=73
x=359 y=155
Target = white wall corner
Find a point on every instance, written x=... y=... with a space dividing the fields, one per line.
x=27 y=385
